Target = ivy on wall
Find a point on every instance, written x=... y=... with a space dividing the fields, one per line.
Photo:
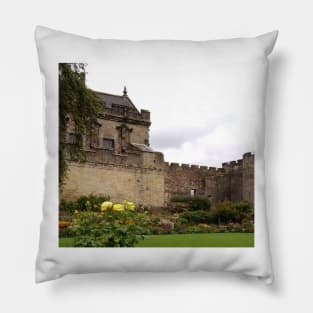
x=78 y=104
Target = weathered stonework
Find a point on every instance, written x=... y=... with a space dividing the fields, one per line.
x=234 y=181
x=141 y=185
x=119 y=162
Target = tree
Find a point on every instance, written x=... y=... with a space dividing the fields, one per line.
x=76 y=102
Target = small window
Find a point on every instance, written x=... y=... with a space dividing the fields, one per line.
x=193 y=192
x=74 y=139
x=107 y=144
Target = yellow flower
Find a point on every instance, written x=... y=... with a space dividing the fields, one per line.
x=106 y=205
x=118 y=207
x=76 y=212
x=130 y=206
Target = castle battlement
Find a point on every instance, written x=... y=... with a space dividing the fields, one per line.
x=232 y=181
x=119 y=112
x=226 y=166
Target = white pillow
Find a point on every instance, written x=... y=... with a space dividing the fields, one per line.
x=207 y=107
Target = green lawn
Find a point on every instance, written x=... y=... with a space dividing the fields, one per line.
x=189 y=240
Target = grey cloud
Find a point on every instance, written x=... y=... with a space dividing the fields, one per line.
x=176 y=137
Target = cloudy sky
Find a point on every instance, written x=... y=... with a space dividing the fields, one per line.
x=200 y=107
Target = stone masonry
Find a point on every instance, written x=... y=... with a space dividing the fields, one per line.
x=118 y=161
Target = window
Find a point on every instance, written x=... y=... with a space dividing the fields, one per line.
x=74 y=139
x=107 y=144
x=193 y=192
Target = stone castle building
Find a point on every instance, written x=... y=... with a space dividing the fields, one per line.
x=120 y=162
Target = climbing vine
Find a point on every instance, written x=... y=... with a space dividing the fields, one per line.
x=76 y=103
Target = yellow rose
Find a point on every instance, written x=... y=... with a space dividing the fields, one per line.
x=130 y=206
x=118 y=207
x=106 y=205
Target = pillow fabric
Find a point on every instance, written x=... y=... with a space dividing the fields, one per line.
x=155 y=155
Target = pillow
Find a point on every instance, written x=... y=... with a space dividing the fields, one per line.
x=155 y=155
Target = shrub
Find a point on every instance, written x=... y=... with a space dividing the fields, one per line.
x=108 y=229
x=234 y=227
x=227 y=211
x=193 y=203
x=197 y=217
x=195 y=230
x=182 y=221
x=221 y=229
x=180 y=198
x=247 y=226
x=200 y=203
x=68 y=206
x=91 y=202
x=243 y=206
x=84 y=203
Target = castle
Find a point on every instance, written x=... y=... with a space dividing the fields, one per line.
x=120 y=162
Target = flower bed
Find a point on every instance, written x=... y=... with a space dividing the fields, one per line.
x=93 y=223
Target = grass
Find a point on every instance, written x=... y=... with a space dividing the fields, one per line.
x=189 y=240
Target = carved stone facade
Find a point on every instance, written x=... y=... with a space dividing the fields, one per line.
x=118 y=161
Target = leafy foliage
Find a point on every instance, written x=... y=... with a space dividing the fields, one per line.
x=83 y=203
x=76 y=102
x=192 y=203
x=108 y=229
x=227 y=211
x=197 y=217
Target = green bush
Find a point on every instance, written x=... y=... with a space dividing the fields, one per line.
x=180 y=198
x=234 y=227
x=243 y=206
x=193 y=203
x=247 y=226
x=232 y=212
x=197 y=217
x=84 y=203
x=199 y=203
x=108 y=229
x=195 y=230
x=68 y=206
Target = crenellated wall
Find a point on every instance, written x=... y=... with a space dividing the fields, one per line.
x=146 y=179
x=233 y=181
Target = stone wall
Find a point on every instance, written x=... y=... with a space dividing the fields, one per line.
x=146 y=179
x=180 y=179
x=141 y=185
x=234 y=181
